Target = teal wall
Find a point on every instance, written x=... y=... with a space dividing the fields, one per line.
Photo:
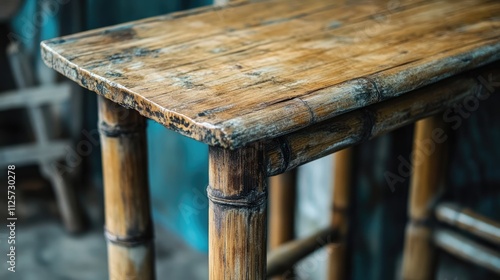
x=178 y=175
x=107 y=12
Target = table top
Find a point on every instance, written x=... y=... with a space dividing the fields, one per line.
x=256 y=70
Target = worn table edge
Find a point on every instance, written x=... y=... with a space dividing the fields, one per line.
x=230 y=134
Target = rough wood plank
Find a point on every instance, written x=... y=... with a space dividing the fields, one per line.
x=289 y=151
x=233 y=74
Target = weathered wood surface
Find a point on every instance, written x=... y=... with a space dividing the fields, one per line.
x=237 y=213
x=287 y=255
x=289 y=151
x=233 y=74
x=470 y=221
x=126 y=194
x=467 y=249
x=428 y=173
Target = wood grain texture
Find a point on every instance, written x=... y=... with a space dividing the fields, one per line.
x=468 y=220
x=338 y=257
x=126 y=193
x=289 y=151
x=234 y=74
x=428 y=165
x=237 y=213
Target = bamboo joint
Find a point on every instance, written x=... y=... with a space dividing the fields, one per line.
x=249 y=200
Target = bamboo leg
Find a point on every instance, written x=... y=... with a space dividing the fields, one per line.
x=282 y=192
x=237 y=213
x=128 y=222
x=339 y=220
x=428 y=167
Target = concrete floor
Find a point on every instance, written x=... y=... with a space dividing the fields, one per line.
x=45 y=251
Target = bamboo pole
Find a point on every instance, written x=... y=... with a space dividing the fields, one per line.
x=428 y=174
x=282 y=193
x=338 y=261
x=237 y=213
x=470 y=221
x=285 y=256
x=287 y=152
x=128 y=223
x=467 y=250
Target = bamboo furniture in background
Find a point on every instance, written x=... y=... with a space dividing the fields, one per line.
x=462 y=247
x=282 y=193
x=271 y=85
x=429 y=154
x=48 y=151
x=287 y=255
x=338 y=258
x=467 y=250
x=423 y=237
x=466 y=219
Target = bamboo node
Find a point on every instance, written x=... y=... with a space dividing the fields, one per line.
x=414 y=222
x=129 y=241
x=119 y=130
x=252 y=199
x=339 y=209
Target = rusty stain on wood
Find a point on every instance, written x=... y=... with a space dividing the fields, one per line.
x=263 y=69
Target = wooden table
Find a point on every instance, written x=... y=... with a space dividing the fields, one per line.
x=269 y=85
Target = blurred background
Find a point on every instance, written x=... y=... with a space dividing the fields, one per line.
x=48 y=130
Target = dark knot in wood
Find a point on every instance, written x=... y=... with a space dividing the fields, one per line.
x=249 y=200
